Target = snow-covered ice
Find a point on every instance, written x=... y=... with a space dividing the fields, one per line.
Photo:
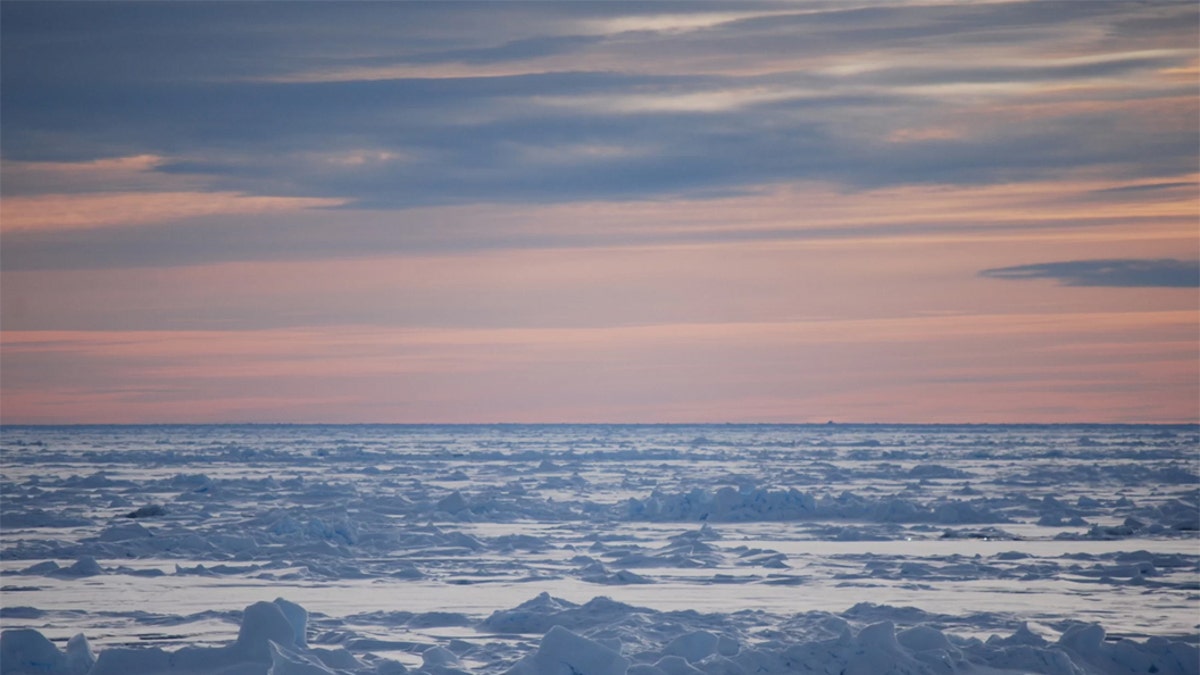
x=600 y=549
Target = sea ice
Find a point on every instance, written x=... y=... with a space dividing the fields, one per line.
x=847 y=549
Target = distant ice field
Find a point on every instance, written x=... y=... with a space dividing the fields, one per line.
x=398 y=540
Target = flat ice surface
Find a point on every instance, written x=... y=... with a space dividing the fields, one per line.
x=400 y=539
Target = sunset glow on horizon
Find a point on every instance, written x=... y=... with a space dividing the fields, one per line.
x=599 y=212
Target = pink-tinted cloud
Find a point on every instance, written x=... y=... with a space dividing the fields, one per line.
x=120 y=191
x=85 y=211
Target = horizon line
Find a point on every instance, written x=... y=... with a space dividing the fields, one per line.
x=830 y=423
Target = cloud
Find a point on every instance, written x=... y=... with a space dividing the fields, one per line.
x=1061 y=211
x=1162 y=273
x=97 y=210
x=728 y=105
x=1147 y=187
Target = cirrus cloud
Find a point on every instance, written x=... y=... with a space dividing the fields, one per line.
x=1120 y=272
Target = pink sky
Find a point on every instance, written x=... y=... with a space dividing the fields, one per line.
x=996 y=232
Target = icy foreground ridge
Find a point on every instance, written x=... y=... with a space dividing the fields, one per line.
x=604 y=637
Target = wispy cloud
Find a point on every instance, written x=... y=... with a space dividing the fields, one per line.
x=87 y=211
x=492 y=109
x=1165 y=273
x=200 y=229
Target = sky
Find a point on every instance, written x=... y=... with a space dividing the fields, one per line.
x=444 y=212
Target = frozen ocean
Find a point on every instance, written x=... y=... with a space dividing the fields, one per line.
x=600 y=549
